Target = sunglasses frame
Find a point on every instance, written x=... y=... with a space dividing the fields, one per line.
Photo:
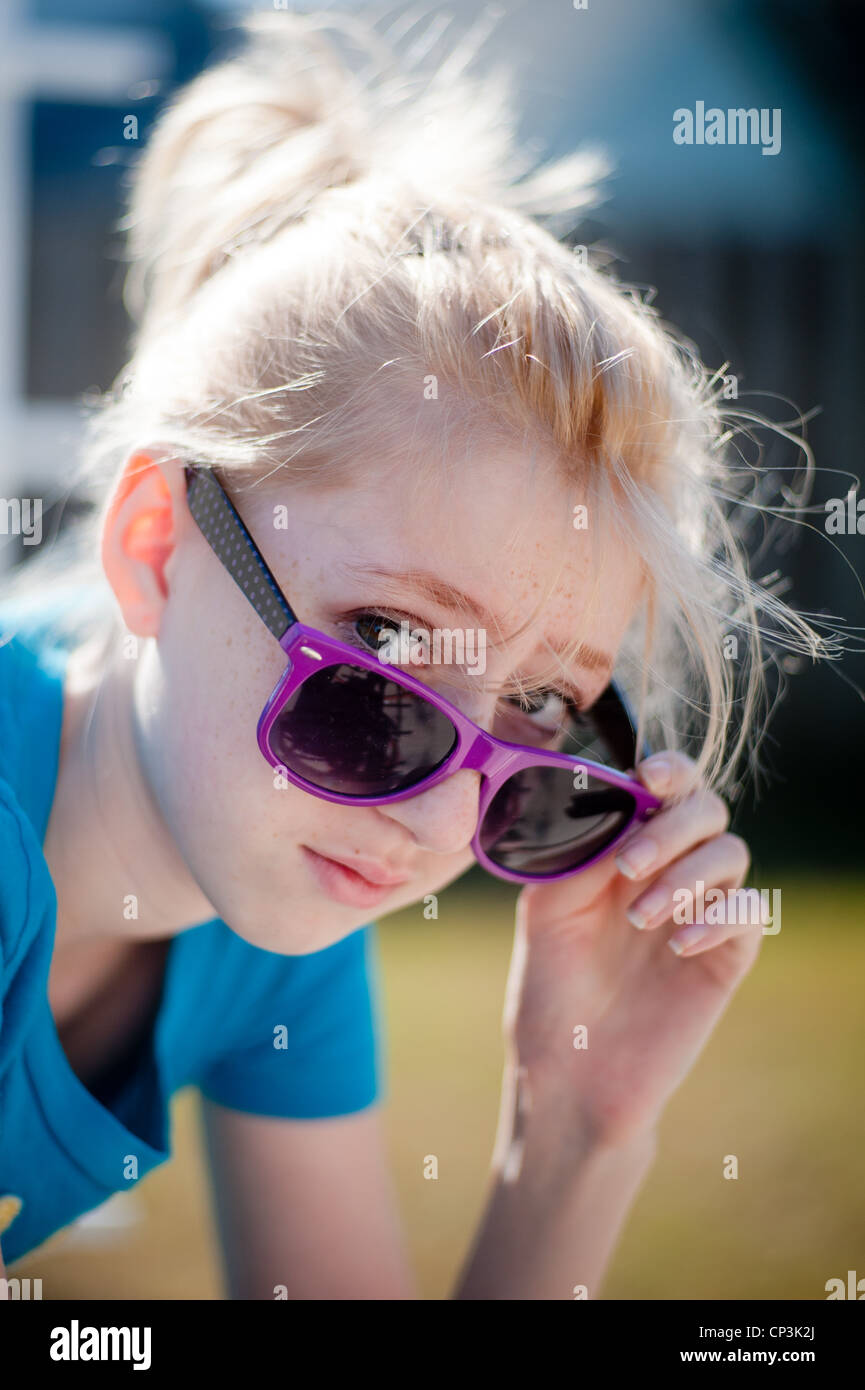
x=308 y=651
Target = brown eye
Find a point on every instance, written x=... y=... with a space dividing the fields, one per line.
x=371 y=628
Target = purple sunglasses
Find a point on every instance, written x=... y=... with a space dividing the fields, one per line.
x=346 y=726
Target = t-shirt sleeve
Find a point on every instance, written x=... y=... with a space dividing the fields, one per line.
x=315 y=1049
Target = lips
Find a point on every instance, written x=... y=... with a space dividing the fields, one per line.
x=373 y=873
x=346 y=884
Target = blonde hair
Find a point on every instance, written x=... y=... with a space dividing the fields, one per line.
x=307 y=227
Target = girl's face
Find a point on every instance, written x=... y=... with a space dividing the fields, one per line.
x=500 y=531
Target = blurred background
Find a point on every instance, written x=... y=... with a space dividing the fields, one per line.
x=758 y=259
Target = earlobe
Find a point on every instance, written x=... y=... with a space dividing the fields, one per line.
x=138 y=539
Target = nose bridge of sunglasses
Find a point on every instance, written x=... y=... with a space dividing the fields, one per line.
x=486 y=754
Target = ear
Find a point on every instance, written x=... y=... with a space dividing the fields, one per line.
x=143 y=520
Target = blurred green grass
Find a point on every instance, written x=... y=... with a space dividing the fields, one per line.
x=779 y=1086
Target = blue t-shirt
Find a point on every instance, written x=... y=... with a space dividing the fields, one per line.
x=225 y=1004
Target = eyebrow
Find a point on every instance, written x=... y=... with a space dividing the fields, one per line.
x=439 y=591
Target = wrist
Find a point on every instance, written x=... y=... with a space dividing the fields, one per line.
x=561 y=1187
x=545 y=1123
x=559 y=1196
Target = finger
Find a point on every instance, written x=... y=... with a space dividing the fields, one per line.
x=673 y=831
x=699 y=937
x=725 y=859
x=669 y=773
x=563 y=899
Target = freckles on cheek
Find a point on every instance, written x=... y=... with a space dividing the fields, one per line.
x=218 y=758
x=233 y=689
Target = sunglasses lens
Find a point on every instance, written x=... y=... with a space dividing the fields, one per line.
x=353 y=731
x=604 y=734
x=540 y=823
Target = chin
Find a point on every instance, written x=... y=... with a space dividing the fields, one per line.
x=300 y=932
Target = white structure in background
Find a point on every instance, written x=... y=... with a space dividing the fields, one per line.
x=56 y=62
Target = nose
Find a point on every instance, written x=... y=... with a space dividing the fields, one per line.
x=443 y=819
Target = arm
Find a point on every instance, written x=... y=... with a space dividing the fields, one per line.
x=602 y=1023
x=557 y=1201
x=307 y=1204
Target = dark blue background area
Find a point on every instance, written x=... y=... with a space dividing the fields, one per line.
x=79 y=162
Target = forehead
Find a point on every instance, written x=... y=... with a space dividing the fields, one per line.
x=495 y=522
x=500 y=522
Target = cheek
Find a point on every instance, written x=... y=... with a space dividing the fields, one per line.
x=199 y=698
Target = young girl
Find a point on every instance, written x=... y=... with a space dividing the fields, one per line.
x=370 y=387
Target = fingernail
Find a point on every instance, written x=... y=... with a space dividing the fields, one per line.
x=643 y=910
x=688 y=936
x=637 y=858
x=657 y=774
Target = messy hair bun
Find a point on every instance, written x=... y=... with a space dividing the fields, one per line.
x=250 y=145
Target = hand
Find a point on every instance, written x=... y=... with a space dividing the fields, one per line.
x=580 y=960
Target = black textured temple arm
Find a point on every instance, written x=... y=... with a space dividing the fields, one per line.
x=221 y=525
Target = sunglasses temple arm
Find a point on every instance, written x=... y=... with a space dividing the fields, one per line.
x=222 y=527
